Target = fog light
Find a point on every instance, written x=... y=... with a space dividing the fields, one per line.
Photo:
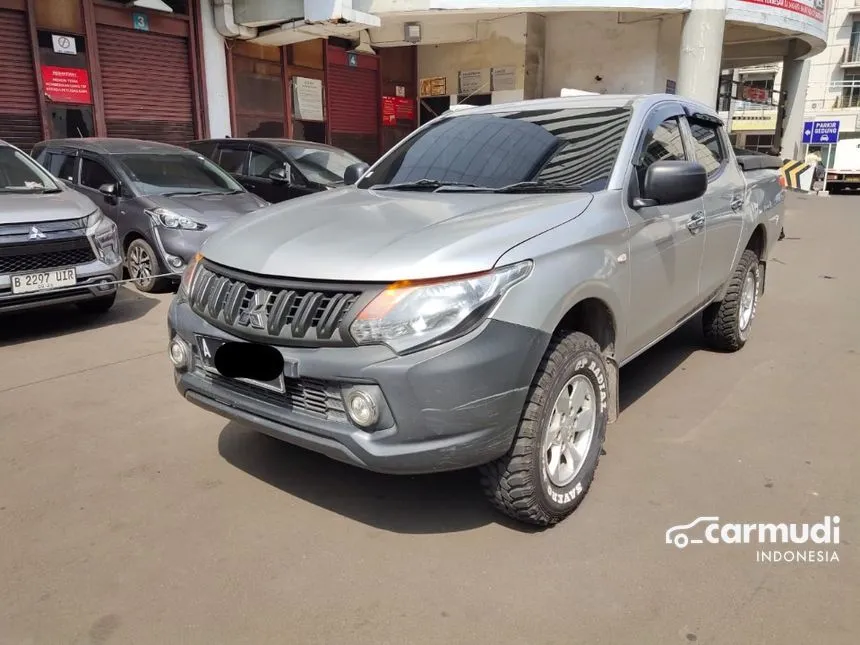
x=179 y=353
x=362 y=408
x=103 y=285
x=175 y=262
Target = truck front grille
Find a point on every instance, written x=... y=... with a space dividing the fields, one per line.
x=307 y=396
x=270 y=309
x=36 y=256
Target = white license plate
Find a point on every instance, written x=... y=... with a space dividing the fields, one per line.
x=43 y=280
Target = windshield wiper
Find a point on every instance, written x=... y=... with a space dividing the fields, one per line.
x=538 y=187
x=422 y=184
x=197 y=193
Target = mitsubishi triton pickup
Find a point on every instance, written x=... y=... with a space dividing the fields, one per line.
x=468 y=300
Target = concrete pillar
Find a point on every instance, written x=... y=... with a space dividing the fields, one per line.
x=535 y=51
x=701 y=53
x=215 y=72
x=795 y=78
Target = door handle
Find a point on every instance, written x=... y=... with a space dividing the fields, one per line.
x=737 y=204
x=696 y=223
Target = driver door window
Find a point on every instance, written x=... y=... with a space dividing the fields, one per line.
x=664 y=143
x=94 y=175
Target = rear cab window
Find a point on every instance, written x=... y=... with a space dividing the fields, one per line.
x=573 y=147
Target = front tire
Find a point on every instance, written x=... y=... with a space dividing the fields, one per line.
x=548 y=470
x=142 y=263
x=727 y=323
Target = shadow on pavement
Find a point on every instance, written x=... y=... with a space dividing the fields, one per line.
x=441 y=503
x=59 y=320
x=643 y=373
x=421 y=504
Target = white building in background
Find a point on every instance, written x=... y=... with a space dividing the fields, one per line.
x=832 y=86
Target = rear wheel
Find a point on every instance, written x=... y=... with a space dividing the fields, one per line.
x=727 y=323
x=547 y=472
x=143 y=266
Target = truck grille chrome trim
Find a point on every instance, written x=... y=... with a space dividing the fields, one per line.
x=271 y=310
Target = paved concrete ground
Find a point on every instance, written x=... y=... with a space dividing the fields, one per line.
x=129 y=516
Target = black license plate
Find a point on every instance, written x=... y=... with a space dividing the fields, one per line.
x=208 y=346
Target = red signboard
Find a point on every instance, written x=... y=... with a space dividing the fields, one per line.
x=810 y=8
x=66 y=84
x=756 y=94
x=389 y=111
x=397 y=108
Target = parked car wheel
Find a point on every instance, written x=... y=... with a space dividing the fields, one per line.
x=547 y=472
x=143 y=266
x=727 y=324
x=98 y=305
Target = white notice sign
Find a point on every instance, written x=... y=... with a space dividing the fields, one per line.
x=475 y=81
x=64 y=44
x=504 y=78
x=308 y=99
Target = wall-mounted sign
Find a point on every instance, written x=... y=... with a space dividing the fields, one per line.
x=308 y=99
x=810 y=8
x=66 y=84
x=399 y=90
x=475 y=81
x=434 y=86
x=758 y=94
x=397 y=108
x=670 y=86
x=140 y=21
x=352 y=60
x=504 y=78
x=64 y=44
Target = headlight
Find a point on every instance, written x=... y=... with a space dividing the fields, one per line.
x=411 y=314
x=169 y=219
x=104 y=234
x=188 y=276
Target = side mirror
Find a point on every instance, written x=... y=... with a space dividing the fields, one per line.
x=280 y=175
x=672 y=182
x=354 y=172
x=110 y=191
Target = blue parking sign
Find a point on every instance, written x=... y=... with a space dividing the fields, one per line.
x=821 y=132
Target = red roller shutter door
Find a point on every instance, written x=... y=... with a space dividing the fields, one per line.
x=146 y=83
x=19 y=96
x=353 y=101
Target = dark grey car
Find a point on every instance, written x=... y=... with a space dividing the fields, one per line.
x=164 y=199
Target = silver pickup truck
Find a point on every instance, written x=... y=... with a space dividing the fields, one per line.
x=468 y=300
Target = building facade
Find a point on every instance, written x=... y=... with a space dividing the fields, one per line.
x=99 y=68
x=362 y=74
x=832 y=81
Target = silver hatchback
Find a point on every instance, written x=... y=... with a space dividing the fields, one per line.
x=56 y=246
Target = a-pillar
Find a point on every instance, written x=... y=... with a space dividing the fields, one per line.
x=701 y=54
x=795 y=78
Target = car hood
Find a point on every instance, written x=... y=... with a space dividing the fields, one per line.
x=44 y=207
x=208 y=209
x=380 y=236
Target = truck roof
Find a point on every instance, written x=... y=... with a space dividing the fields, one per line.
x=590 y=101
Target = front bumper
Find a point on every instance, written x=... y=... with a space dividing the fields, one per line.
x=178 y=243
x=451 y=407
x=91 y=278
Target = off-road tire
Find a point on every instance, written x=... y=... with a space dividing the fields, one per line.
x=517 y=483
x=721 y=320
x=98 y=305
x=152 y=285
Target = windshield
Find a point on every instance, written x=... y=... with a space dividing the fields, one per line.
x=174 y=174
x=20 y=174
x=576 y=148
x=320 y=165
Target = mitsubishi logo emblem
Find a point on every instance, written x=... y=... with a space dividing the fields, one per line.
x=36 y=234
x=256 y=315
